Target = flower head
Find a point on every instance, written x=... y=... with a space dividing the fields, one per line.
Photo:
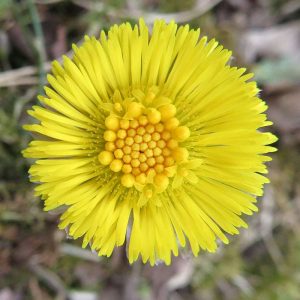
x=150 y=138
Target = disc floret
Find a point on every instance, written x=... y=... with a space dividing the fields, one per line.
x=144 y=146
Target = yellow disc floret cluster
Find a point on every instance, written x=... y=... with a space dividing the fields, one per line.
x=144 y=147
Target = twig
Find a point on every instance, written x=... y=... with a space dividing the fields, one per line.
x=46 y=2
x=21 y=81
x=71 y=250
x=131 y=284
x=180 y=279
x=200 y=7
x=21 y=76
x=35 y=290
x=39 y=42
x=50 y=278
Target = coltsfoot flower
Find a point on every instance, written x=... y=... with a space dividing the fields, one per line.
x=151 y=139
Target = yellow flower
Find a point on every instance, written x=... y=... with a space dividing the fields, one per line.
x=150 y=138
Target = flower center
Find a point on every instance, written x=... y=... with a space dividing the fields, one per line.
x=144 y=145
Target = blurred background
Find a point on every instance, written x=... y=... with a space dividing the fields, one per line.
x=37 y=261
